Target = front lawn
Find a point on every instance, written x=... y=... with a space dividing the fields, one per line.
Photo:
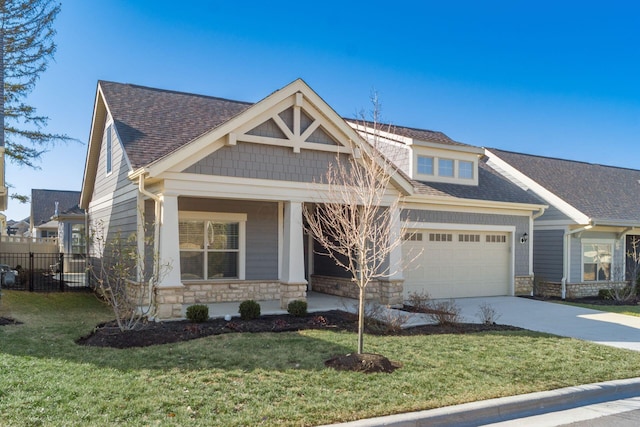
x=264 y=379
x=631 y=310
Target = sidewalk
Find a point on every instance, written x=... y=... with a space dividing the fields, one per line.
x=508 y=408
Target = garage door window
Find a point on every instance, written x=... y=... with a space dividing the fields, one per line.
x=496 y=238
x=413 y=237
x=440 y=237
x=468 y=238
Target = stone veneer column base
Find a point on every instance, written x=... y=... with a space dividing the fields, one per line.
x=391 y=292
x=523 y=285
x=574 y=290
x=292 y=292
x=169 y=300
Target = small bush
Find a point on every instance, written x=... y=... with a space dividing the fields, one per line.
x=419 y=300
x=606 y=294
x=444 y=312
x=297 y=308
x=380 y=319
x=487 y=314
x=198 y=313
x=249 y=309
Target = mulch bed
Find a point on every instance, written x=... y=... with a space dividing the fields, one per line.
x=153 y=333
x=586 y=300
x=8 y=321
x=364 y=362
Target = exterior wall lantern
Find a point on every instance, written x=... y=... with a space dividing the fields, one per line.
x=524 y=238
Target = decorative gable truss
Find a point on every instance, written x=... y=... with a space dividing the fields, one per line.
x=294 y=122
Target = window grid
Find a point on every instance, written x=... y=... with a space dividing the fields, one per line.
x=440 y=237
x=496 y=238
x=469 y=238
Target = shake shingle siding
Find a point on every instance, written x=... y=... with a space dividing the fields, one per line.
x=247 y=160
x=547 y=255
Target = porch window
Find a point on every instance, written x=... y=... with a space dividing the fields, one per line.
x=212 y=248
x=596 y=261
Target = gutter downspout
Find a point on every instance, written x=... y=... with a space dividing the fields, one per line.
x=566 y=252
x=156 y=233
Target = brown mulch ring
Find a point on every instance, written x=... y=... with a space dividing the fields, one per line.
x=364 y=362
x=153 y=333
x=9 y=321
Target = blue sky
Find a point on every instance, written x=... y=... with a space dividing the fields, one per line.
x=551 y=78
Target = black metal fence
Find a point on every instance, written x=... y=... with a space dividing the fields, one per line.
x=38 y=272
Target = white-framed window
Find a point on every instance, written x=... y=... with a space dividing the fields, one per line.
x=465 y=169
x=425 y=165
x=445 y=167
x=212 y=245
x=597 y=260
x=413 y=237
x=109 y=151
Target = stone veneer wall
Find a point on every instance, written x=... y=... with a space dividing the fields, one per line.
x=388 y=292
x=574 y=290
x=523 y=285
x=171 y=299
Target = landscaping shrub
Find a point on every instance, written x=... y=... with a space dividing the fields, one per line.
x=444 y=312
x=419 y=300
x=249 y=309
x=198 y=313
x=297 y=308
x=487 y=314
x=606 y=294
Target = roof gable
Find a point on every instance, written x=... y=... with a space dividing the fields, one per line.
x=601 y=193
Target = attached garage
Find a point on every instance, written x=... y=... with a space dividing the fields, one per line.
x=458 y=263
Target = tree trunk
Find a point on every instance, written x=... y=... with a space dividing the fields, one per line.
x=361 y=319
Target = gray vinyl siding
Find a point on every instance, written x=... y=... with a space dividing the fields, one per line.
x=521 y=224
x=261 y=231
x=107 y=184
x=247 y=160
x=547 y=255
x=117 y=211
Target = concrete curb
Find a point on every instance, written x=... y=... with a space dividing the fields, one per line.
x=508 y=408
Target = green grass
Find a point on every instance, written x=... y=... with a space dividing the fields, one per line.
x=631 y=310
x=264 y=379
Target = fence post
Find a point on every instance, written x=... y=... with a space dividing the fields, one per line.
x=61 y=268
x=31 y=274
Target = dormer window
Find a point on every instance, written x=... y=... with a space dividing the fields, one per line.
x=425 y=165
x=445 y=167
x=465 y=169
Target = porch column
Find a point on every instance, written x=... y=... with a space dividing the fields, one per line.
x=391 y=287
x=169 y=249
x=293 y=284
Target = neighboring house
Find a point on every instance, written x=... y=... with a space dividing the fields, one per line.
x=17 y=228
x=582 y=240
x=46 y=206
x=227 y=182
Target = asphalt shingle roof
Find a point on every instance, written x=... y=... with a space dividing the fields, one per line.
x=43 y=203
x=413 y=133
x=491 y=187
x=152 y=122
x=600 y=192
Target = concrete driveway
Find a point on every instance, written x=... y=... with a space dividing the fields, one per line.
x=616 y=330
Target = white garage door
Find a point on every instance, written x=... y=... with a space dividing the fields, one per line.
x=456 y=264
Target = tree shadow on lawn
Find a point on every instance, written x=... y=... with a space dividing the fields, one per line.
x=270 y=342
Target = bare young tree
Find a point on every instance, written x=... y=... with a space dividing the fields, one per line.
x=125 y=277
x=356 y=221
